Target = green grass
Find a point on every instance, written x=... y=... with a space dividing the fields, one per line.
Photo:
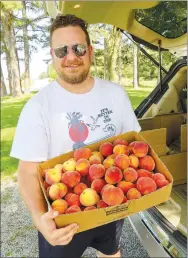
x=10 y=111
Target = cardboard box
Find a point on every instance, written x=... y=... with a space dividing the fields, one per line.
x=94 y=218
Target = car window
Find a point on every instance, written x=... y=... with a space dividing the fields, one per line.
x=168 y=18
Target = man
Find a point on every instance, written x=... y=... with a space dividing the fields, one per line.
x=73 y=111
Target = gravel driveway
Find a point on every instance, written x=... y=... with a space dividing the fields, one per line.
x=19 y=237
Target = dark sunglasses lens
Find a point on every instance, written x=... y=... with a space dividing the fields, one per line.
x=79 y=49
x=61 y=51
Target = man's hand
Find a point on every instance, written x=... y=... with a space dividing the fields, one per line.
x=55 y=236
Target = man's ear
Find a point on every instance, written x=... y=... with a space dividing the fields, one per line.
x=91 y=52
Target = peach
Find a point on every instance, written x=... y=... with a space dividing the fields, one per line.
x=59 y=205
x=52 y=176
x=102 y=204
x=121 y=142
x=82 y=153
x=113 y=196
x=97 y=153
x=69 y=165
x=72 y=209
x=113 y=175
x=144 y=173
x=46 y=185
x=67 y=196
x=98 y=184
x=121 y=149
x=95 y=159
x=57 y=191
x=59 y=167
x=78 y=189
x=130 y=174
x=161 y=183
x=134 y=161
x=122 y=161
x=133 y=193
x=125 y=199
x=139 y=148
x=89 y=197
x=90 y=208
x=82 y=166
x=96 y=171
x=158 y=176
x=73 y=199
x=106 y=149
x=106 y=187
x=146 y=185
x=70 y=178
x=147 y=162
x=108 y=162
x=125 y=186
x=43 y=173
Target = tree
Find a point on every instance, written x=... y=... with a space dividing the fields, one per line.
x=135 y=67
x=3 y=86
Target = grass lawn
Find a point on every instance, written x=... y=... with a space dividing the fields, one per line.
x=10 y=111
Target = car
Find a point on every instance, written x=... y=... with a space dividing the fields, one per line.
x=161 y=26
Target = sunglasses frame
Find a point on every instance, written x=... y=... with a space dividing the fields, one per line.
x=74 y=49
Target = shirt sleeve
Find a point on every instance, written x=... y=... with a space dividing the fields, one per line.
x=130 y=121
x=30 y=140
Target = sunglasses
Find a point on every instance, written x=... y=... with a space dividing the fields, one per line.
x=78 y=49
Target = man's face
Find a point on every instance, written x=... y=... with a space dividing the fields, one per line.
x=71 y=68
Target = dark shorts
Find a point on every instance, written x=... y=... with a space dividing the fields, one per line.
x=105 y=239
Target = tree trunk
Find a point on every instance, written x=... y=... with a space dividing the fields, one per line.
x=10 y=82
x=11 y=46
x=3 y=86
x=119 y=64
x=26 y=51
x=135 y=67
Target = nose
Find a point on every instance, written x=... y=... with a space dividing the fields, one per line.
x=71 y=55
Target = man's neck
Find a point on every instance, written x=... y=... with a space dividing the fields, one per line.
x=80 y=88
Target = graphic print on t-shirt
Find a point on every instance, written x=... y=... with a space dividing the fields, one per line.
x=79 y=130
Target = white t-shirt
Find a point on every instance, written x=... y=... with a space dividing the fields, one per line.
x=55 y=121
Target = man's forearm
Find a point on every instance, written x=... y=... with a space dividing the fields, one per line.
x=32 y=195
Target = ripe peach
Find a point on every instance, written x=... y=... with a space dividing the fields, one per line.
x=106 y=187
x=134 y=161
x=59 y=167
x=130 y=174
x=73 y=199
x=96 y=171
x=69 y=165
x=95 y=159
x=147 y=162
x=46 y=185
x=67 y=196
x=125 y=186
x=72 y=209
x=106 y=149
x=133 y=193
x=44 y=172
x=108 y=162
x=113 y=175
x=121 y=149
x=82 y=153
x=98 y=184
x=97 y=153
x=113 y=196
x=158 y=176
x=161 y=183
x=146 y=185
x=139 y=148
x=121 y=142
x=82 y=166
x=57 y=191
x=78 y=189
x=125 y=199
x=102 y=204
x=59 y=205
x=89 y=197
x=122 y=161
x=70 y=178
x=53 y=176
x=90 y=208
x=144 y=173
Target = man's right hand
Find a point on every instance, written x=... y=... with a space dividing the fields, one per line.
x=54 y=236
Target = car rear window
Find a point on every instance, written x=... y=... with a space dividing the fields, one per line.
x=168 y=18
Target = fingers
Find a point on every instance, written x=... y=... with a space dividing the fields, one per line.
x=64 y=231
x=50 y=215
x=64 y=240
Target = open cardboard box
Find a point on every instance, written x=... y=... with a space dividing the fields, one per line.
x=160 y=132
x=94 y=218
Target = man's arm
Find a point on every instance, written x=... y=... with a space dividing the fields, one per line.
x=30 y=190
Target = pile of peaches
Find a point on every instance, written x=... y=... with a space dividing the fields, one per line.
x=117 y=172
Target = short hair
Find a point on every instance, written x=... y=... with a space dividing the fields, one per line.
x=62 y=21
